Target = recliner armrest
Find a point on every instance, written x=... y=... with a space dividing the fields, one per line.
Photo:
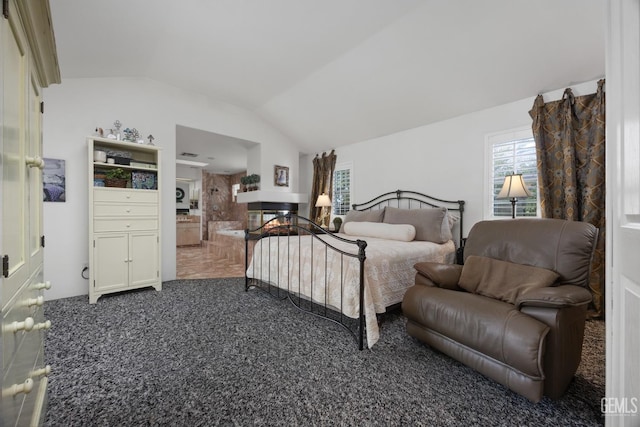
x=557 y=296
x=439 y=275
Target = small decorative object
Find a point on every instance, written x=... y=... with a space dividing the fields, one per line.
x=100 y=132
x=116 y=178
x=337 y=223
x=99 y=156
x=111 y=135
x=245 y=182
x=131 y=135
x=144 y=180
x=117 y=125
x=255 y=179
x=150 y=138
x=281 y=176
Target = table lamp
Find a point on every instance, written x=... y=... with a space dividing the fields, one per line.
x=513 y=188
x=323 y=202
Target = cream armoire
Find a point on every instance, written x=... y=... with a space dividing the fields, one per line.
x=28 y=62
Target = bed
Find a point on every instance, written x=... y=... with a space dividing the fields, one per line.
x=354 y=276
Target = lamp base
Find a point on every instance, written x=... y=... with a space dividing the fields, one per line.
x=513 y=207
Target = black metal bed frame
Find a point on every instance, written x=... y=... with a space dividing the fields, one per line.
x=294 y=226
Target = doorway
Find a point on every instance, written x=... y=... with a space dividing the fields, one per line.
x=208 y=168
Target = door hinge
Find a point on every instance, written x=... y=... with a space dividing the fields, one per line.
x=5 y=8
x=41 y=107
x=42 y=241
x=5 y=266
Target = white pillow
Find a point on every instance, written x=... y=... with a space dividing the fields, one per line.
x=402 y=232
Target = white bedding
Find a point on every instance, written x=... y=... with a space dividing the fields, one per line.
x=388 y=271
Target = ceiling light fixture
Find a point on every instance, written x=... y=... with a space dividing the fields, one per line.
x=191 y=163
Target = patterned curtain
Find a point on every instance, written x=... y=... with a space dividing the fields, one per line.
x=322 y=180
x=570 y=148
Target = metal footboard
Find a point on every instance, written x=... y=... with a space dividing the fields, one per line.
x=274 y=242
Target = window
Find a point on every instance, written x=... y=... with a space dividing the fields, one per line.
x=341 y=197
x=512 y=152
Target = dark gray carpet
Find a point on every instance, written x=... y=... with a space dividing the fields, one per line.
x=204 y=353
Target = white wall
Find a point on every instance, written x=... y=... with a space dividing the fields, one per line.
x=445 y=159
x=76 y=107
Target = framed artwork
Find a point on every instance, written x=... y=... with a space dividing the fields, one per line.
x=281 y=176
x=53 y=181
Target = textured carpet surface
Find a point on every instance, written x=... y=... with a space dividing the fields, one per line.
x=204 y=352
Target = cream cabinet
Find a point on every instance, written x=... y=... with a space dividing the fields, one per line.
x=124 y=222
x=187 y=233
x=27 y=63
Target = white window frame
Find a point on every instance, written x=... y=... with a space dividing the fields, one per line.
x=490 y=140
x=339 y=167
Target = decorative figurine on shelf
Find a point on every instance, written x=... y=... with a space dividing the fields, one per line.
x=111 y=135
x=150 y=138
x=131 y=135
x=117 y=125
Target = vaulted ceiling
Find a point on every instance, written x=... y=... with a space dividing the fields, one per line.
x=334 y=72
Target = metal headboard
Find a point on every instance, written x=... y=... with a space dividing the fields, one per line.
x=414 y=200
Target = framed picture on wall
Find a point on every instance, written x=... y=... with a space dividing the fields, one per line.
x=54 y=181
x=281 y=176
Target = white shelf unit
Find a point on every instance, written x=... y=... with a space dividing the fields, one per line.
x=124 y=223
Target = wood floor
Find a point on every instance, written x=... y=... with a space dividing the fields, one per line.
x=209 y=261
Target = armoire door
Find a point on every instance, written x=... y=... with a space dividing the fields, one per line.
x=14 y=188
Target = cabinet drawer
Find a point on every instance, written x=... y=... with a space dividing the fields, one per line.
x=124 y=224
x=120 y=195
x=124 y=210
x=26 y=408
x=21 y=308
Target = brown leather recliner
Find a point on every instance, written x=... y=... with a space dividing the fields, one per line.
x=515 y=311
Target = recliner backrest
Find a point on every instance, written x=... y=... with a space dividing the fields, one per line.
x=565 y=247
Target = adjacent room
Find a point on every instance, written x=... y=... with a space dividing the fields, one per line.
x=337 y=212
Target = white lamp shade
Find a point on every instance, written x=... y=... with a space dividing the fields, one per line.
x=323 y=201
x=513 y=187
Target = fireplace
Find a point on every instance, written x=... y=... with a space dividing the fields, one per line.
x=261 y=212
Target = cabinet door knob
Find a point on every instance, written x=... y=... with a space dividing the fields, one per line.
x=26 y=325
x=35 y=301
x=45 y=371
x=15 y=389
x=128 y=210
x=34 y=162
x=42 y=285
x=42 y=325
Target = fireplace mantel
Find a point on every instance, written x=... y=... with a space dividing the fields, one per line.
x=272 y=196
